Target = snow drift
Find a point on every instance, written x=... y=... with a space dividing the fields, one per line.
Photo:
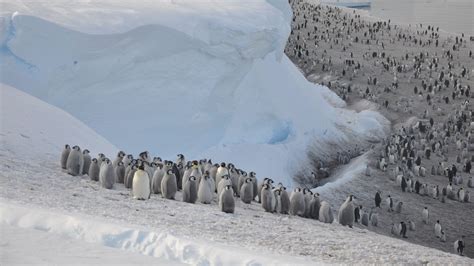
x=203 y=78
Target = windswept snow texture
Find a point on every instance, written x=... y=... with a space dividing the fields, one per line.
x=203 y=78
x=32 y=129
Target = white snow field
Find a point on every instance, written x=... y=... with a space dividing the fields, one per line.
x=203 y=78
x=39 y=202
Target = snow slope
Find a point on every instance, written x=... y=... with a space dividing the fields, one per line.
x=76 y=213
x=202 y=78
x=31 y=128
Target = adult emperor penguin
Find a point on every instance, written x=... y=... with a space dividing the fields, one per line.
x=141 y=184
x=314 y=204
x=226 y=200
x=190 y=190
x=119 y=158
x=437 y=229
x=246 y=191
x=156 y=180
x=169 y=185
x=120 y=173
x=205 y=191
x=268 y=198
x=75 y=161
x=378 y=199
x=425 y=215
x=459 y=246
x=128 y=182
x=64 y=155
x=94 y=170
x=87 y=162
x=107 y=175
x=389 y=201
x=346 y=212
x=297 y=206
x=325 y=213
x=285 y=201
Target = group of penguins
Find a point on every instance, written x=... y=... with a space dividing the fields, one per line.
x=198 y=180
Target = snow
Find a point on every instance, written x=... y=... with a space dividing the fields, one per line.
x=202 y=78
x=38 y=199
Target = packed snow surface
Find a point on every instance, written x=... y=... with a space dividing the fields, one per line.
x=39 y=200
x=202 y=78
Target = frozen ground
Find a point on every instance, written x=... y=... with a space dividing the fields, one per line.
x=36 y=194
x=202 y=78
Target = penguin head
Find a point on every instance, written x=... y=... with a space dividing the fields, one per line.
x=130 y=157
x=297 y=189
x=278 y=192
x=94 y=160
x=209 y=161
x=222 y=164
x=227 y=177
x=252 y=174
x=195 y=163
x=86 y=151
x=169 y=172
x=67 y=147
x=231 y=166
x=121 y=154
x=437 y=221
x=120 y=163
x=216 y=165
x=107 y=161
x=157 y=159
x=101 y=155
x=228 y=187
x=316 y=195
x=180 y=156
x=266 y=186
x=243 y=173
x=134 y=167
x=248 y=180
x=206 y=173
x=192 y=178
x=76 y=148
x=169 y=163
x=141 y=166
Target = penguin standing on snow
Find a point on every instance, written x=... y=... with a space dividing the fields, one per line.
x=297 y=202
x=403 y=230
x=128 y=182
x=285 y=201
x=246 y=191
x=325 y=213
x=314 y=204
x=156 y=179
x=120 y=173
x=389 y=201
x=378 y=199
x=94 y=170
x=141 y=183
x=357 y=213
x=75 y=161
x=346 y=212
x=226 y=200
x=64 y=155
x=411 y=225
x=425 y=215
x=459 y=246
x=398 y=208
x=169 y=185
x=107 y=174
x=190 y=190
x=87 y=162
x=437 y=229
x=268 y=201
x=205 y=190
x=364 y=220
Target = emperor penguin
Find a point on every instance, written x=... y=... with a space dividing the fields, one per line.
x=180 y=159
x=221 y=172
x=226 y=200
x=398 y=208
x=225 y=181
x=374 y=219
x=308 y=195
x=265 y=181
x=141 y=184
x=411 y=225
x=443 y=236
x=268 y=198
x=128 y=182
x=285 y=201
x=213 y=172
x=378 y=199
x=94 y=170
x=461 y=194
x=187 y=172
x=425 y=215
x=277 y=197
x=127 y=160
x=470 y=182
x=395 y=230
x=246 y=191
x=64 y=155
x=437 y=229
x=190 y=193
x=75 y=161
x=389 y=201
x=234 y=178
x=205 y=192
x=346 y=212
x=100 y=158
x=120 y=173
x=87 y=162
x=297 y=202
x=128 y=167
x=156 y=180
x=253 y=176
x=119 y=158
x=242 y=179
x=169 y=185
x=314 y=204
x=364 y=219
x=196 y=172
x=325 y=213
x=107 y=175
x=466 y=197
x=459 y=246
x=145 y=156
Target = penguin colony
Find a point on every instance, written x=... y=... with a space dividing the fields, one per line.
x=364 y=60
x=199 y=182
